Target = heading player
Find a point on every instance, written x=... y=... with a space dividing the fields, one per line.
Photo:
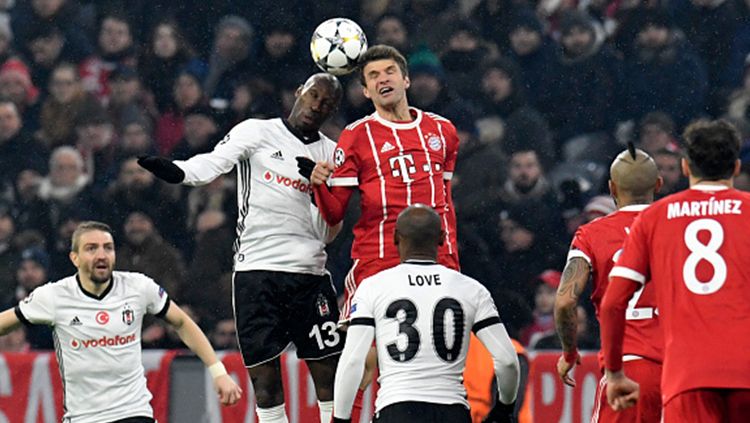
x=96 y=316
x=420 y=315
x=634 y=180
x=693 y=247
x=281 y=290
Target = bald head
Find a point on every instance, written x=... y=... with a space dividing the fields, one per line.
x=329 y=81
x=418 y=232
x=634 y=174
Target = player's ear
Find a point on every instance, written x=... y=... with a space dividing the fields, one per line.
x=659 y=183
x=612 y=188
x=407 y=82
x=365 y=92
x=395 y=237
x=298 y=92
x=685 y=167
x=73 y=258
x=737 y=167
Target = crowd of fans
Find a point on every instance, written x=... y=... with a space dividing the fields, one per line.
x=543 y=93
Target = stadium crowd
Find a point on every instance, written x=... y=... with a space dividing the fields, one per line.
x=543 y=93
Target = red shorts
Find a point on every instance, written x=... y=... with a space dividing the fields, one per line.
x=709 y=405
x=648 y=408
x=362 y=269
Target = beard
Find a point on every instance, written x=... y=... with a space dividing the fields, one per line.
x=99 y=280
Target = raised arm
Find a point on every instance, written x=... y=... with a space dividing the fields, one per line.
x=193 y=337
x=574 y=279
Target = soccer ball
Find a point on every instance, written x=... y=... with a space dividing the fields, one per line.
x=337 y=44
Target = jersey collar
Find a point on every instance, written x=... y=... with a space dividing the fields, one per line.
x=635 y=208
x=709 y=187
x=401 y=125
x=96 y=297
x=420 y=262
x=298 y=134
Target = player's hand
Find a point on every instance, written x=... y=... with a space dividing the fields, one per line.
x=564 y=366
x=305 y=166
x=622 y=392
x=501 y=413
x=229 y=392
x=320 y=173
x=162 y=168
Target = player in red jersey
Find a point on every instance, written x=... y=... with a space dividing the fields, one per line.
x=693 y=247
x=395 y=157
x=634 y=179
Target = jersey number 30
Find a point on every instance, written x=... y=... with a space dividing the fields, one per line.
x=413 y=340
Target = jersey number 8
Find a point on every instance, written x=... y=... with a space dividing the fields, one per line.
x=708 y=252
x=413 y=340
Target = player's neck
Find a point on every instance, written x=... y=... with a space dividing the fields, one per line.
x=89 y=286
x=419 y=256
x=398 y=113
x=625 y=202
x=729 y=183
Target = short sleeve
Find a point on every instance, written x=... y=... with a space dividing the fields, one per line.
x=345 y=161
x=361 y=311
x=633 y=263
x=39 y=307
x=451 y=147
x=486 y=311
x=156 y=298
x=580 y=247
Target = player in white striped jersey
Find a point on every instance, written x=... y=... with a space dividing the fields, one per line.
x=282 y=293
x=420 y=314
x=96 y=316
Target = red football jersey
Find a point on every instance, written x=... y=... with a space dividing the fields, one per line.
x=692 y=246
x=600 y=243
x=395 y=165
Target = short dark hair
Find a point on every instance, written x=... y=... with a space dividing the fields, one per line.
x=713 y=148
x=84 y=227
x=381 y=52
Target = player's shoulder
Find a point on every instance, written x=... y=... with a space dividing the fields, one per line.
x=135 y=280
x=358 y=125
x=436 y=117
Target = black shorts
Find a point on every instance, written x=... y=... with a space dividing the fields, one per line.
x=423 y=412
x=136 y=420
x=274 y=309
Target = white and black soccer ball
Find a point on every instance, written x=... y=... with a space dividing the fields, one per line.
x=337 y=44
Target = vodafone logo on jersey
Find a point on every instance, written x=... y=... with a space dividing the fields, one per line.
x=297 y=184
x=104 y=341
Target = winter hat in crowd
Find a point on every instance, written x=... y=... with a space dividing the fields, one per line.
x=37 y=255
x=14 y=68
x=550 y=278
x=525 y=18
x=576 y=19
x=652 y=17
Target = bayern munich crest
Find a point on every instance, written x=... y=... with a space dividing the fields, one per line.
x=434 y=142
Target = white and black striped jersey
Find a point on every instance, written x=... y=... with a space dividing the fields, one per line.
x=423 y=314
x=98 y=343
x=278 y=228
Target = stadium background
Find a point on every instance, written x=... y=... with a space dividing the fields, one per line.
x=543 y=93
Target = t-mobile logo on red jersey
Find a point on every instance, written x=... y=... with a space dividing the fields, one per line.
x=298 y=184
x=402 y=166
x=104 y=341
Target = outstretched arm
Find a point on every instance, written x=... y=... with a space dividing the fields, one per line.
x=193 y=337
x=350 y=369
x=9 y=321
x=574 y=279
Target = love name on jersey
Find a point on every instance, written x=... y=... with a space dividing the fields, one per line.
x=709 y=207
x=422 y=280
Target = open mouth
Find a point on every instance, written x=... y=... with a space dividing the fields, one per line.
x=101 y=266
x=385 y=90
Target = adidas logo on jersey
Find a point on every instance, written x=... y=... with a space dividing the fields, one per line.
x=76 y=322
x=277 y=155
x=387 y=147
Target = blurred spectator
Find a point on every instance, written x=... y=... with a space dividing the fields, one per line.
x=585 y=338
x=18 y=150
x=95 y=140
x=115 y=46
x=668 y=163
x=136 y=189
x=354 y=104
x=224 y=335
x=663 y=72
x=16 y=86
x=144 y=250
x=61 y=244
x=218 y=195
x=66 y=103
x=526 y=180
x=48 y=48
x=507 y=119
x=186 y=93
x=464 y=46
x=734 y=73
x=738 y=104
x=128 y=101
x=66 y=15
x=391 y=30
x=200 y=133
x=30 y=211
x=544 y=305
x=494 y=19
x=426 y=21
x=6 y=39
x=584 y=96
x=534 y=52
x=599 y=206
x=15 y=341
x=135 y=139
x=230 y=60
x=8 y=256
x=166 y=54
x=253 y=99
x=656 y=132
x=32 y=272
x=281 y=57
x=66 y=187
